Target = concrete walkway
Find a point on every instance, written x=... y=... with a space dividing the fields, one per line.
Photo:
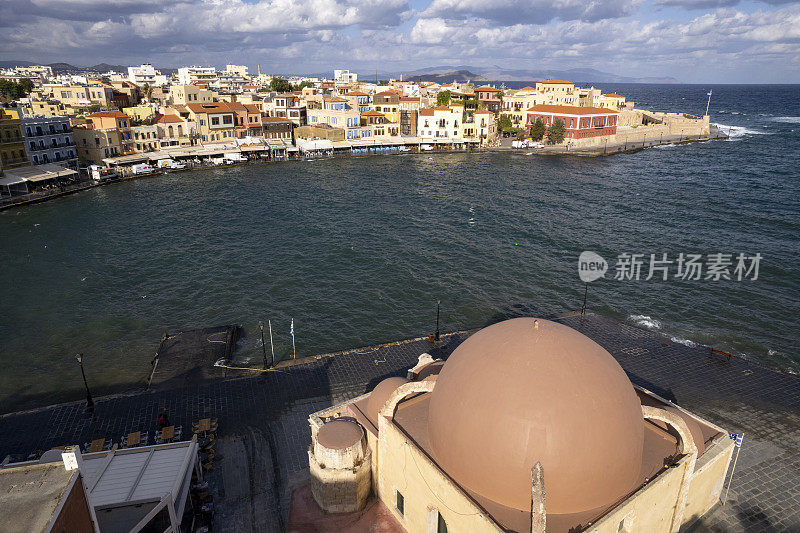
x=738 y=395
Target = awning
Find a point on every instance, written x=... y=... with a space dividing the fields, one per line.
x=312 y=146
x=6 y=182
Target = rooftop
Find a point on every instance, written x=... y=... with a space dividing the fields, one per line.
x=572 y=110
x=30 y=495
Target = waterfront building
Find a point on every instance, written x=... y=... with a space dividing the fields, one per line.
x=195 y=74
x=375 y=123
x=489 y=96
x=443 y=124
x=119 y=122
x=216 y=121
x=529 y=426
x=277 y=128
x=142 y=74
x=146 y=138
x=345 y=76
x=286 y=105
x=484 y=124
x=388 y=103
x=176 y=131
x=320 y=131
x=562 y=92
x=12 y=143
x=141 y=488
x=50 y=140
x=338 y=113
x=189 y=94
x=579 y=122
x=45 y=497
x=515 y=105
x=409 y=114
x=95 y=144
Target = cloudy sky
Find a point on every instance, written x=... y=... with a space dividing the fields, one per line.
x=725 y=41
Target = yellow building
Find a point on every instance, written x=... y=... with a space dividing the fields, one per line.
x=515 y=105
x=12 y=144
x=140 y=113
x=529 y=426
x=562 y=91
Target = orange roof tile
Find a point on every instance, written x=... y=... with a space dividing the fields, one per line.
x=426 y=112
x=210 y=107
x=571 y=110
x=169 y=118
x=486 y=88
x=372 y=114
x=108 y=114
x=483 y=112
x=614 y=95
x=274 y=119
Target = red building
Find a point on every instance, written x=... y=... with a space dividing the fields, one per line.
x=579 y=122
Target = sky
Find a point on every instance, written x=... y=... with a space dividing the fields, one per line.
x=694 y=41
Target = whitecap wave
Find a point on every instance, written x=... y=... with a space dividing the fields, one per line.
x=787 y=120
x=645 y=321
x=735 y=132
x=662 y=146
x=685 y=342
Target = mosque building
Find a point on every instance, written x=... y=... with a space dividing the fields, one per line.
x=528 y=426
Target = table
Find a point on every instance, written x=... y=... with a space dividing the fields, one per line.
x=133 y=439
x=204 y=425
x=96 y=445
x=167 y=433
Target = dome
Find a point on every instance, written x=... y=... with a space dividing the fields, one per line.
x=528 y=390
x=380 y=394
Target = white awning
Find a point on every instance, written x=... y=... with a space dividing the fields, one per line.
x=311 y=146
x=5 y=182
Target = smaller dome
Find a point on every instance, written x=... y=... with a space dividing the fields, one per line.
x=380 y=394
x=429 y=371
x=339 y=434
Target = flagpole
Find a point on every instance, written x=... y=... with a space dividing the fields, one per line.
x=708 y=105
x=271 y=345
x=294 y=351
x=730 y=480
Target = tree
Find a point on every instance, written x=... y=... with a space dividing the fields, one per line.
x=11 y=90
x=504 y=123
x=280 y=85
x=537 y=130
x=443 y=98
x=302 y=85
x=556 y=132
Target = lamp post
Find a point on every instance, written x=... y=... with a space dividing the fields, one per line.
x=89 y=401
x=438 y=303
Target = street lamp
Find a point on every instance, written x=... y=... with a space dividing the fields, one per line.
x=436 y=335
x=89 y=401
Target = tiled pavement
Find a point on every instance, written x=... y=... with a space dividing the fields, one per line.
x=738 y=395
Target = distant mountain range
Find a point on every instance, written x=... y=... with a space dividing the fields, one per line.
x=441 y=74
x=495 y=73
x=66 y=68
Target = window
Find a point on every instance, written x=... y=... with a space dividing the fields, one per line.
x=215 y=121
x=441 y=525
x=400 y=502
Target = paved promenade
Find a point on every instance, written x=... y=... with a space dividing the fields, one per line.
x=265 y=415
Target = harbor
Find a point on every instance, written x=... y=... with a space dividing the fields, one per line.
x=262 y=420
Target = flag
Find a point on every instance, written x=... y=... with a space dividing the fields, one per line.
x=736 y=437
x=709 y=93
x=291 y=330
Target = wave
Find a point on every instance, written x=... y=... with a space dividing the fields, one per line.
x=685 y=342
x=787 y=120
x=735 y=132
x=645 y=321
x=662 y=146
